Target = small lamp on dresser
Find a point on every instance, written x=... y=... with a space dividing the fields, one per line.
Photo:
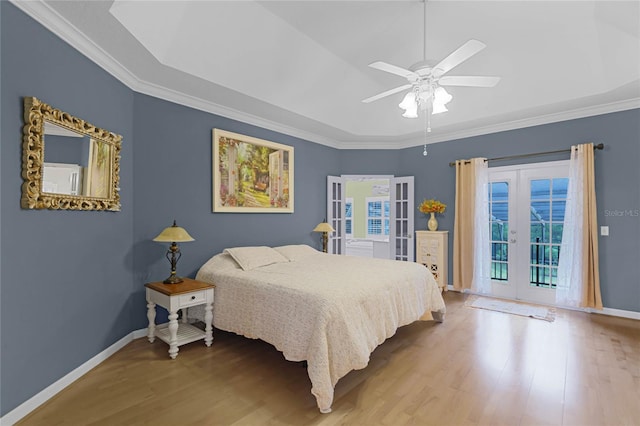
x=325 y=228
x=173 y=234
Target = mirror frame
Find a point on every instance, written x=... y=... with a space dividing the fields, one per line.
x=36 y=113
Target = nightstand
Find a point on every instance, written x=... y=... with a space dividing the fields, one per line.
x=174 y=297
x=432 y=251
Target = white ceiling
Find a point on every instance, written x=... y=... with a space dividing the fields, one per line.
x=300 y=67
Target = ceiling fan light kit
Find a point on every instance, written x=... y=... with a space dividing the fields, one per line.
x=426 y=82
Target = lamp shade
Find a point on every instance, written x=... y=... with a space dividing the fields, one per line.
x=410 y=105
x=323 y=227
x=173 y=234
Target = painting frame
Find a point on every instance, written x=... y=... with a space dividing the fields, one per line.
x=251 y=175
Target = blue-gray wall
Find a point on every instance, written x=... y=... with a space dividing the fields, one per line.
x=617 y=185
x=173 y=151
x=67 y=277
x=72 y=282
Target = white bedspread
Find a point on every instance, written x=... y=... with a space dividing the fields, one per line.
x=329 y=310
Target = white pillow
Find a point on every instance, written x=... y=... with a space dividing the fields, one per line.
x=254 y=257
x=296 y=252
x=221 y=262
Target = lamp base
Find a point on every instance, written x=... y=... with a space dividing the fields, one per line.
x=173 y=279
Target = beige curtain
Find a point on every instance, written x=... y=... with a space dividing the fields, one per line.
x=578 y=271
x=591 y=297
x=463 y=227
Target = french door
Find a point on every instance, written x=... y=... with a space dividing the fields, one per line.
x=401 y=219
x=526 y=213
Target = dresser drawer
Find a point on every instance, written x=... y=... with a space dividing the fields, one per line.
x=190 y=299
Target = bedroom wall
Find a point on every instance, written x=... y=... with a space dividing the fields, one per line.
x=173 y=152
x=66 y=276
x=617 y=189
x=72 y=282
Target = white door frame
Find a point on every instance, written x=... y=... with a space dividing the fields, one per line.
x=519 y=237
x=336 y=198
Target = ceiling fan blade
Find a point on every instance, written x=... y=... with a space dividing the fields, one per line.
x=468 y=80
x=458 y=56
x=383 y=66
x=387 y=93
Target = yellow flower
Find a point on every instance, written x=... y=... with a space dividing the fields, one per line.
x=432 y=206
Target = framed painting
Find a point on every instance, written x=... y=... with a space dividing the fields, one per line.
x=251 y=175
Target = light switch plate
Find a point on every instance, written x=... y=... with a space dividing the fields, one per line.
x=604 y=231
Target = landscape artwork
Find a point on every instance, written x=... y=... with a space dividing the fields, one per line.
x=251 y=175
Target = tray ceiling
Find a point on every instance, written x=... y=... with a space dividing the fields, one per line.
x=300 y=67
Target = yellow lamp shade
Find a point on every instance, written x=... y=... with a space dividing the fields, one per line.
x=173 y=234
x=323 y=227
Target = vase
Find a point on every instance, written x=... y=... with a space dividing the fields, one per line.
x=432 y=223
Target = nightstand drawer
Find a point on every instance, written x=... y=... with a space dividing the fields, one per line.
x=195 y=298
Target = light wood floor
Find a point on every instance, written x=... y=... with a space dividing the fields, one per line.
x=478 y=367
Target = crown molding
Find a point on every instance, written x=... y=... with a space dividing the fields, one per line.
x=69 y=33
x=180 y=98
x=58 y=25
x=539 y=120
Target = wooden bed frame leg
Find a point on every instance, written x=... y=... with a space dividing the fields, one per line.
x=438 y=316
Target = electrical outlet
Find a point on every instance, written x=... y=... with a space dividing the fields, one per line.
x=604 y=231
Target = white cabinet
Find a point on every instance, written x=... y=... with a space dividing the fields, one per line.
x=432 y=250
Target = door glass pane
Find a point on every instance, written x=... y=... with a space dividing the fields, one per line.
x=540 y=232
x=556 y=232
x=555 y=254
x=499 y=191
x=557 y=210
x=540 y=210
x=499 y=229
x=560 y=188
x=500 y=211
x=499 y=271
x=541 y=189
x=540 y=276
x=548 y=205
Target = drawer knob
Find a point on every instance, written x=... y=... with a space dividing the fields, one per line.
x=193 y=297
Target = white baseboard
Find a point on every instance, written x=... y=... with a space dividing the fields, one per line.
x=50 y=391
x=605 y=311
x=617 y=313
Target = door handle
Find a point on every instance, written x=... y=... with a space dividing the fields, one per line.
x=513 y=240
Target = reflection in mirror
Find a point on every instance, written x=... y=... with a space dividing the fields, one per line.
x=78 y=169
x=75 y=164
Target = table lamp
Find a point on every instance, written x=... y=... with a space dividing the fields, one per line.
x=173 y=234
x=325 y=228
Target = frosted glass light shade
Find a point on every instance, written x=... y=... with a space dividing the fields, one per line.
x=410 y=105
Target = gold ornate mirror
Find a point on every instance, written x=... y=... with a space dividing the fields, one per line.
x=82 y=166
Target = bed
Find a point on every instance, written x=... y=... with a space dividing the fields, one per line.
x=329 y=310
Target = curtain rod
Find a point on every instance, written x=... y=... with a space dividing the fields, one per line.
x=535 y=154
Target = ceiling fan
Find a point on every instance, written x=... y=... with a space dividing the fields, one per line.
x=426 y=81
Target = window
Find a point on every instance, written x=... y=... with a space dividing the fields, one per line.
x=377 y=217
x=349 y=217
